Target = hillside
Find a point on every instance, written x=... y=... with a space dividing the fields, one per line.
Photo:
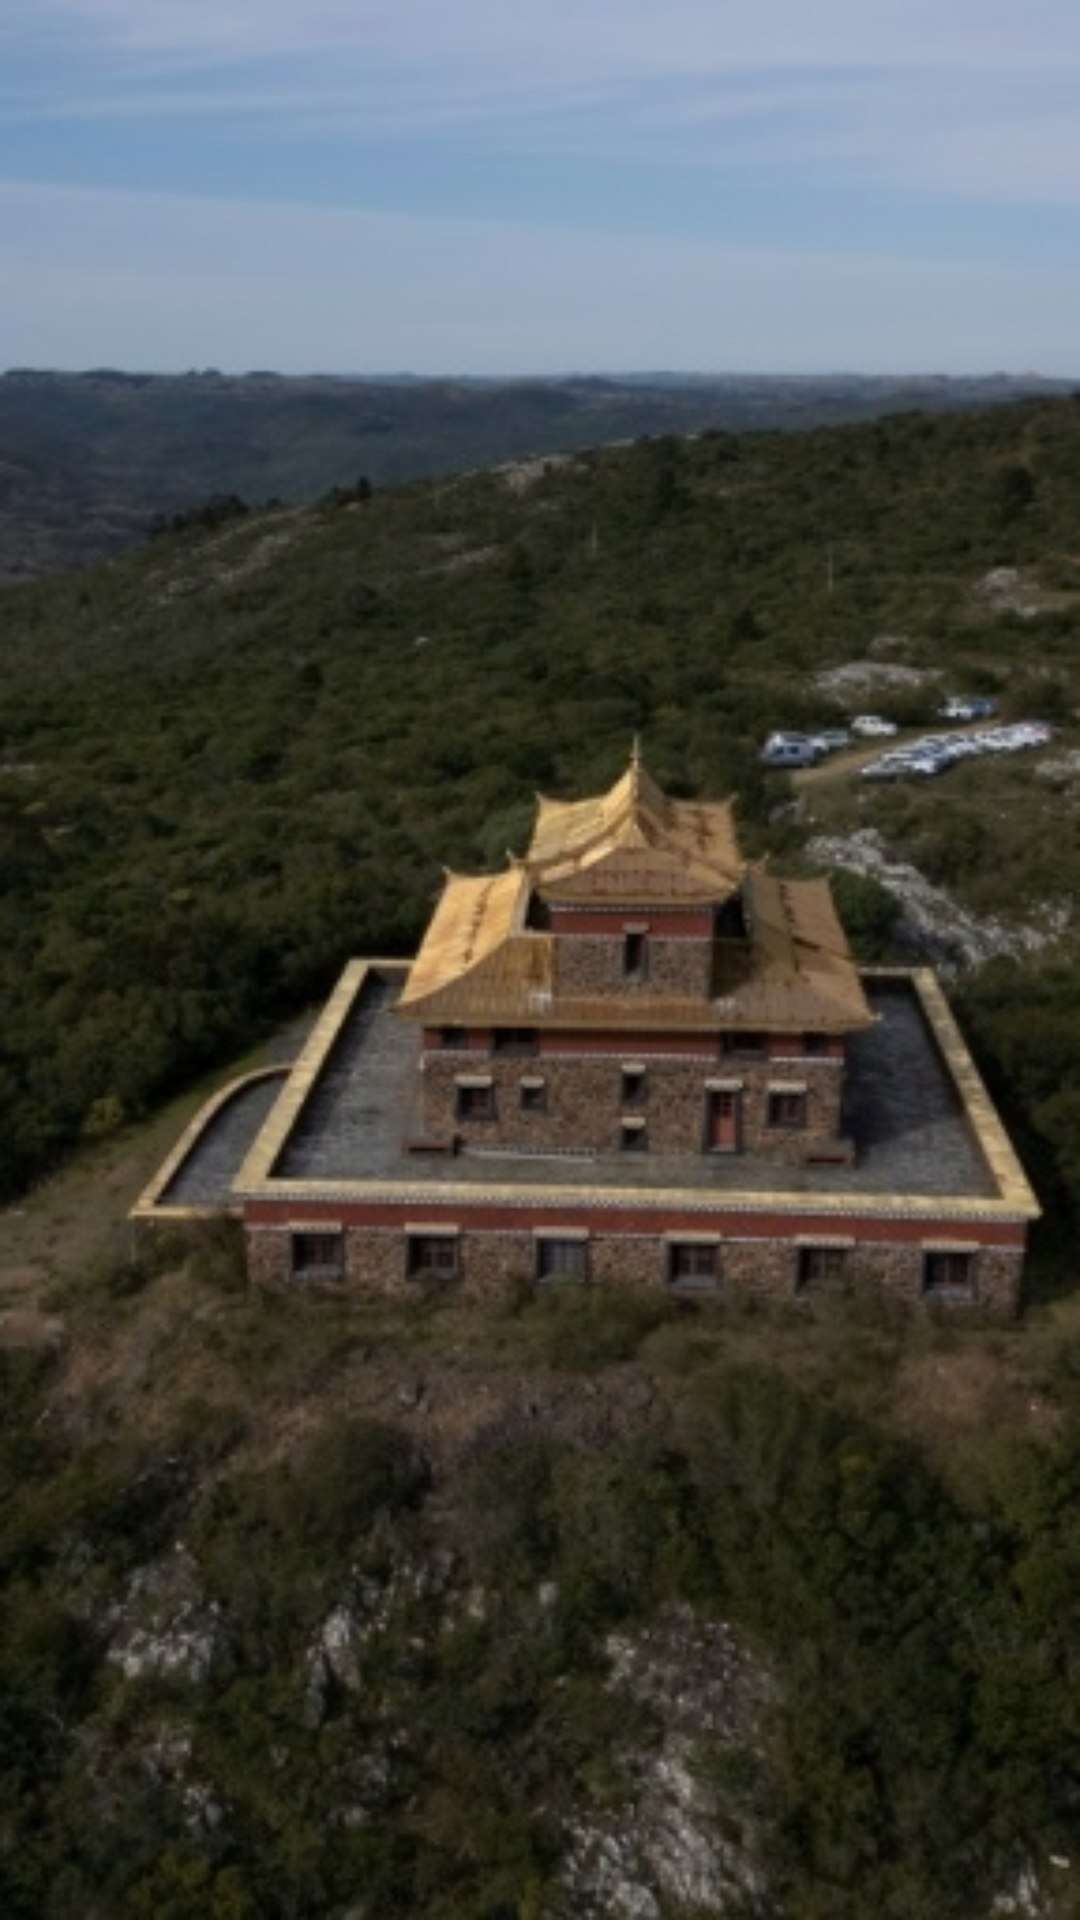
x=595 y=1608
x=232 y=760
x=89 y=461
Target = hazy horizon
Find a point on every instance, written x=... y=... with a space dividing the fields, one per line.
x=566 y=375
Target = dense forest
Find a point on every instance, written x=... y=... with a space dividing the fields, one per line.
x=591 y=1607
x=89 y=462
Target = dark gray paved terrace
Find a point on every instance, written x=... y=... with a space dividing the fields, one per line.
x=203 y=1179
x=901 y=1110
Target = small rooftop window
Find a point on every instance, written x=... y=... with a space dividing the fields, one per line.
x=515 y=1040
x=635 y=957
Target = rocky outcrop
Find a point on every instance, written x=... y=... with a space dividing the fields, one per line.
x=164 y=1625
x=689 y=1831
x=932 y=925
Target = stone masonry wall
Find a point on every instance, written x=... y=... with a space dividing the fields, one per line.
x=267 y=1257
x=592 y=964
x=493 y=1265
x=583 y=1106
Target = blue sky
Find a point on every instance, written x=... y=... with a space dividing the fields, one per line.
x=537 y=185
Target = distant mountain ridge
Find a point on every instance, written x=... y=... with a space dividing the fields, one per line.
x=89 y=460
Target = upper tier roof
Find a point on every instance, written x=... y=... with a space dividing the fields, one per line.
x=481 y=964
x=635 y=846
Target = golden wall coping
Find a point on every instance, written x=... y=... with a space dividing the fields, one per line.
x=255 y=1170
x=148 y=1205
x=1013 y=1201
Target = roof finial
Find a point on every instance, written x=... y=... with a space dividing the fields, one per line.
x=635 y=753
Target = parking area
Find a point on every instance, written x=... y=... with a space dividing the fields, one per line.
x=933 y=753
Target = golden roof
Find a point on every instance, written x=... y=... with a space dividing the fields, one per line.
x=634 y=845
x=802 y=973
x=481 y=964
x=475 y=944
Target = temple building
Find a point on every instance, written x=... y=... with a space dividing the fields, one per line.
x=632 y=986
x=630 y=1059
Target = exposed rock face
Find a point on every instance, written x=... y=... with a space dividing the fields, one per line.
x=1061 y=769
x=866 y=676
x=932 y=925
x=167 y=1761
x=677 y=1837
x=165 y=1625
x=371 y=1608
x=1005 y=590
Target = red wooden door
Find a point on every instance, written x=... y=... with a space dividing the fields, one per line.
x=723 y=1127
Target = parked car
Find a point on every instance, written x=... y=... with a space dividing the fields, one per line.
x=871 y=726
x=832 y=740
x=790 y=750
x=968 y=706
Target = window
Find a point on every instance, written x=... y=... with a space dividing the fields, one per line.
x=950 y=1274
x=633 y=1137
x=815 y=1043
x=787 y=1110
x=730 y=921
x=533 y=1096
x=634 y=1086
x=432 y=1256
x=635 y=956
x=515 y=1040
x=745 y=1043
x=476 y=1103
x=692 y=1264
x=452 y=1037
x=822 y=1267
x=561 y=1260
x=320 y=1254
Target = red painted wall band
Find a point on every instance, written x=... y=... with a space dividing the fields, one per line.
x=484 y=1218
x=682 y=925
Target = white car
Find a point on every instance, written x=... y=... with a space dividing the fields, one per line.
x=871 y=726
x=790 y=750
x=832 y=740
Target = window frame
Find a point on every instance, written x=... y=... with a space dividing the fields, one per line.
x=777 y=1119
x=951 y=1289
x=837 y=1255
x=553 y=1268
x=752 y=1045
x=703 y=1273
x=532 y=1096
x=633 y=1136
x=474 y=1102
x=523 y=1042
x=633 y=1086
x=445 y=1270
x=635 y=954
x=305 y=1268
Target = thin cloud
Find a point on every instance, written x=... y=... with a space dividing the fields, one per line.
x=559 y=35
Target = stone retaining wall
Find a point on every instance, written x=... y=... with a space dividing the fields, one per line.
x=494 y=1265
